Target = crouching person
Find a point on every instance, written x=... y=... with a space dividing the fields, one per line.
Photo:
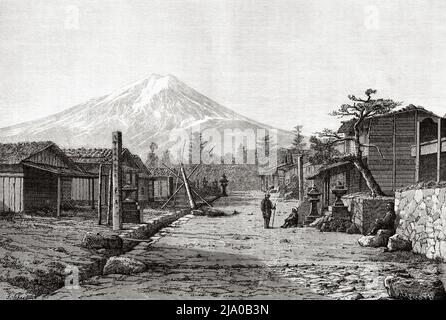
x=387 y=222
x=292 y=219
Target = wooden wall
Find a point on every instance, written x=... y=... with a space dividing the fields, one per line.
x=161 y=188
x=81 y=189
x=48 y=157
x=394 y=134
x=11 y=193
x=143 y=189
x=39 y=189
x=381 y=134
x=405 y=137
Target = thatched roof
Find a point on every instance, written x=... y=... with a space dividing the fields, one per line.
x=91 y=155
x=15 y=153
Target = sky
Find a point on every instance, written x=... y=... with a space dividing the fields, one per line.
x=279 y=62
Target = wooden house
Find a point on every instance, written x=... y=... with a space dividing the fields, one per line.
x=35 y=175
x=161 y=184
x=274 y=176
x=143 y=182
x=86 y=190
x=409 y=141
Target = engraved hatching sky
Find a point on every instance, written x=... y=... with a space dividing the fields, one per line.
x=279 y=62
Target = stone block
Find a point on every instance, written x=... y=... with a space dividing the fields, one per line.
x=123 y=265
x=399 y=243
x=98 y=241
x=414 y=289
x=379 y=240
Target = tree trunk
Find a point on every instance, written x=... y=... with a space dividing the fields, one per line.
x=362 y=167
x=374 y=187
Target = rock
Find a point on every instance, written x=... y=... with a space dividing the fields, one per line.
x=318 y=222
x=379 y=240
x=98 y=241
x=366 y=241
x=357 y=296
x=123 y=265
x=382 y=237
x=212 y=212
x=92 y=241
x=198 y=213
x=398 y=243
x=284 y=241
x=414 y=289
x=112 y=241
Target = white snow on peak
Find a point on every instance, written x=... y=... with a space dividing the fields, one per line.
x=145 y=110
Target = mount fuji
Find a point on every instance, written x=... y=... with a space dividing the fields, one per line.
x=149 y=110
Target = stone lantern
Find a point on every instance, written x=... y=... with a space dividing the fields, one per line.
x=313 y=197
x=223 y=183
x=338 y=209
x=339 y=190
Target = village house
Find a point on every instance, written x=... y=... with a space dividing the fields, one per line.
x=143 y=182
x=161 y=184
x=35 y=176
x=408 y=140
x=276 y=175
x=86 y=191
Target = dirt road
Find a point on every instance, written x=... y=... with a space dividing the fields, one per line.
x=234 y=257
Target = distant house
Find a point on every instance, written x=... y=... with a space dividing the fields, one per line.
x=90 y=160
x=275 y=175
x=143 y=181
x=161 y=184
x=35 y=175
x=408 y=139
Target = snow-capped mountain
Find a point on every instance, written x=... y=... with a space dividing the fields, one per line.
x=157 y=108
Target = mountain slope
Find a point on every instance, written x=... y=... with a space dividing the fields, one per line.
x=157 y=108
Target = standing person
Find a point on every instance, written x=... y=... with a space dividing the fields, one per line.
x=266 y=206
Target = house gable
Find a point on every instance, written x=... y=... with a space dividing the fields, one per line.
x=52 y=156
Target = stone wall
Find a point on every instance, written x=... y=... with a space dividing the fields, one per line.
x=422 y=219
x=365 y=209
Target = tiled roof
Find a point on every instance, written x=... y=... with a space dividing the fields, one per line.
x=159 y=172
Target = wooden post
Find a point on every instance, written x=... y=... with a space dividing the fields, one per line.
x=300 y=174
x=186 y=185
x=439 y=150
x=417 y=148
x=394 y=154
x=137 y=186
x=59 y=195
x=110 y=197
x=117 y=180
x=100 y=195
x=92 y=193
